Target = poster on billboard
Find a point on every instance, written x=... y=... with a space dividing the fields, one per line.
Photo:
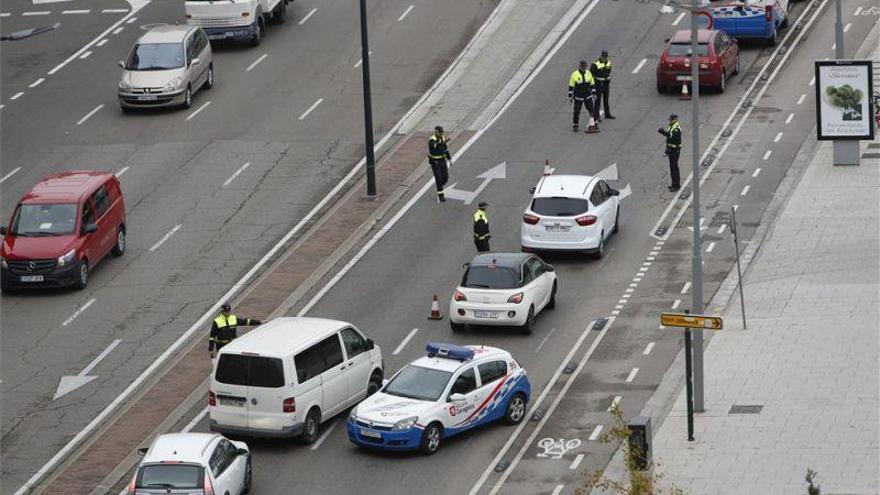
x=843 y=100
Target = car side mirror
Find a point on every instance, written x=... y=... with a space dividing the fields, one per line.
x=142 y=451
x=465 y=265
x=194 y=62
x=90 y=228
x=121 y=63
x=456 y=398
x=615 y=192
x=4 y=231
x=549 y=268
x=370 y=344
x=532 y=190
x=243 y=452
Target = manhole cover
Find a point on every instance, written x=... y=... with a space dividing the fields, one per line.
x=660 y=230
x=502 y=466
x=537 y=415
x=569 y=368
x=743 y=409
x=685 y=194
x=600 y=324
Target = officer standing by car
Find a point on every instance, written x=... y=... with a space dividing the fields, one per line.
x=673 y=150
x=581 y=91
x=481 y=228
x=438 y=157
x=601 y=70
x=225 y=328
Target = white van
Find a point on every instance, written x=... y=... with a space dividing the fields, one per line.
x=286 y=377
x=237 y=20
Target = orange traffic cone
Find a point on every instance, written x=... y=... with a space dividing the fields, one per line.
x=592 y=128
x=684 y=92
x=547 y=169
x=435 y=309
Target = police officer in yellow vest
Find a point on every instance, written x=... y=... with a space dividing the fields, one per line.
x=673 y=150
x=225 y=328
x=601 y=70
x=581 y=92
x=438 y=156
x=481 y=228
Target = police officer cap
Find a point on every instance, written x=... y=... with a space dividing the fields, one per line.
x=604 y=53
x=673 y=116
x=483 y=204
x=226 y=307
x=438 y=128
x=583 y=62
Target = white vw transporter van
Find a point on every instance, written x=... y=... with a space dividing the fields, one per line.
x=286 y=377
x=237 y=20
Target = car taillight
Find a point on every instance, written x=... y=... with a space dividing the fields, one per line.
x=530 y=219
x=289 y=405
x=768 y=12
x=212 y=398
x=131 y=486
x=458 y=296
x=585 y=220
x=208 y=487
x=516 y=298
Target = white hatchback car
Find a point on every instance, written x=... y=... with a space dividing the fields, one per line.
x=570 y=213
x=507 y=289
x=193 y=464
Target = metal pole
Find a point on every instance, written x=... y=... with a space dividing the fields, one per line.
x=689 y=384
x=838 y=32
x=697 y=262
x=368 y=107
x=742 y=299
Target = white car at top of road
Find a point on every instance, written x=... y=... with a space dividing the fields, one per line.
x=193 y=464
x=507 y=289
x=570 y=213
x=450 y=390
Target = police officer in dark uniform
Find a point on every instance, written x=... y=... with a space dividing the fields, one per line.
x=673 y=150
x=581 y=91
x=601 y=70
x=225 y=328
x=438 y=157
x=481 y=228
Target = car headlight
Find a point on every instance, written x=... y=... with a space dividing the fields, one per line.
x=172 y=84
x=124 y=85
x=405 y=424
x=67 y=258
x=3 y=263
x=352 y=416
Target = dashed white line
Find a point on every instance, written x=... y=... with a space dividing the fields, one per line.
x=633 y=285
x=711 y=247
x=36 y=12
x=643 y=269
x=325 y=435
x=80 y=11
x=16 y=95
x=558 y=489
x=192 y=424
x=632 y=375
x=618 y=307
x=653 y=253
x=405 y=341
x=767 y=154
x=236 y=174
x=687 y=286
x=846 y=28
x=756 y=172
x=122 y=171
x=626 y=296
x=196 y=112
x=304 y=19
x=640 y=65
x=614 y=403
x=131 y=20
x=85 y=55
x=721 y=229
x=257 y=61
x=596 y=432
x=615 y=312
x=545 y=339
x=78 y=312
x=636 y=280
x=37 y=82
x=102 y=42
x=833 y=47
x=5 y=14
x=166 y=237
x=630 y=290
x=676 y=303
x=405 y=13
x=801 y=99
x=114 y=11
x=678 y=19
x=858 y=11
x=648 y=349
x=93 y=112
x=778 y=137
x=789 y=118
x=118 y=30
x=314 y=106
x=10 y=174
x=812 y=81
x=745 y=190
x=576 y=462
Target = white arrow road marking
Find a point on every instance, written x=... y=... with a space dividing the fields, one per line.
x=625 y=192
x=69 y=383
x=609 y=172
x=497 y=172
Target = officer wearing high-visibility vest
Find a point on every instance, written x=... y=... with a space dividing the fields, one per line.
x=673 y=149
x=225 y=328
x=601 y=70
x=581 y=91
x=481 y=228
x=438 y=156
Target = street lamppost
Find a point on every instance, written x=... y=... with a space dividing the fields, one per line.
x=368 y=107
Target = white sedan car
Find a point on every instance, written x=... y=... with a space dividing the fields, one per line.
x=570 y=213
x=505 y=289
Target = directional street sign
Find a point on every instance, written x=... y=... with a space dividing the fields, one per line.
x=691 y=321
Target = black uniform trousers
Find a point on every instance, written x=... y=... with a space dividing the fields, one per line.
x=482 y=244
x=673 y=154
x=441 y=173
x=588 y=104
x=603 y=88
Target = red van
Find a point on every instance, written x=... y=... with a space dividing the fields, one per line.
x=61 y=229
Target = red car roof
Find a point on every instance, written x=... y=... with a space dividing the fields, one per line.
x=65 y=187
x=684 y=36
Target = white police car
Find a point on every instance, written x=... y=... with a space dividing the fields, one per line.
x=451 y=390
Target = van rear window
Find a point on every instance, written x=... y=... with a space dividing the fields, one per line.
x=252 y=371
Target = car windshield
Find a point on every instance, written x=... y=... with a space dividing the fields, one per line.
x=155 y=56
x=487 y=277
x=44 y=220
x=415 y=382
x=560 y=207
x=187 y=476
x=684 y=49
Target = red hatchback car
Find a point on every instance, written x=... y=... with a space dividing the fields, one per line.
x=719 y=59
x=61 y=229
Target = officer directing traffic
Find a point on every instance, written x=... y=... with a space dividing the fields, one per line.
x=438 y=157
x=673 y=150
x=601 y=70
x=225 y=328
x=481 y=228
x=581 y=90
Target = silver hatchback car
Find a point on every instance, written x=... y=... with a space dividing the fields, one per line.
x=166 y=66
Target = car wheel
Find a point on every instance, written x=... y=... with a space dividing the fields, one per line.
x=209 y=81
x=551 y=304
x=616 y=221
x=258 y=32
x=311 y=428
x=456 y=327
x=431 y=439
x=600 y=250
x=119 y=247
x=188 y=97
x=375 y=384
x=774 y=38
x=736 y=66
x=722 y=85
x=516 y=409
x=82 y=279
x=281 y=14
x=526 y=327
x=248 y=477
x=661 y=88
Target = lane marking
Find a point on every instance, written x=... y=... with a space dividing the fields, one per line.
x=801 y=99
x=196 y=112
x=767 y=154
x=653 y=253
x=622 y=301
x=846 y=28
x=778 y=137
x=114 y=11
x=596 y=432
x=711 y=247
x=833 y=47
x=618 y=307
x=648 y=349
x=615 y=312
x=236 y=174
x=576 y=462
x=642 y=63
x=93 y=112
x=630 y=290
x=650 y=258
x=687 y=286
x=756 y=172
x=118 y=30
x=88 y=369
x=647 y=263
x=36 y=12
x=257 y=61
x=78 y=312
x=789 y=118
x=858 y=10
x=404 y=341
x=325 y=435
x=166 y=237
x=745 y=190
x=545 y=339
x=16 y=95
x=721 y=229
x=131 y=20
x=676 y=303
x=67 y=61
x=5 y=14
x=678 y=19
x=10 y=174
x=614 y=403
x=360 y=61
x=102 y=42
x=558 y=489
x=405 y=13
x=632 y=375
x=633 y=285
x=37 y=82
x=812 y=81
x=314 y=106
x=85 y=55
x=304 y=19
x=192 y=424
x=81 y=11
x=122 y=171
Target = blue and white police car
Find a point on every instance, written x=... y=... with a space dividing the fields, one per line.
x=755 y=19
x=450 y=390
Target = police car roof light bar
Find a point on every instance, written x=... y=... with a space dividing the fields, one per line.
x=450 y=351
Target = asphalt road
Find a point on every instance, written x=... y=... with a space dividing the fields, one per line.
x=184 y=174
x=387 y=294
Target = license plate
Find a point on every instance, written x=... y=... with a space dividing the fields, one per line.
x=370 y=433
x=224 y=401
x=556 y=227
x=485 y=314
x=147 y=98
x=31 y=278
x=682 y=78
